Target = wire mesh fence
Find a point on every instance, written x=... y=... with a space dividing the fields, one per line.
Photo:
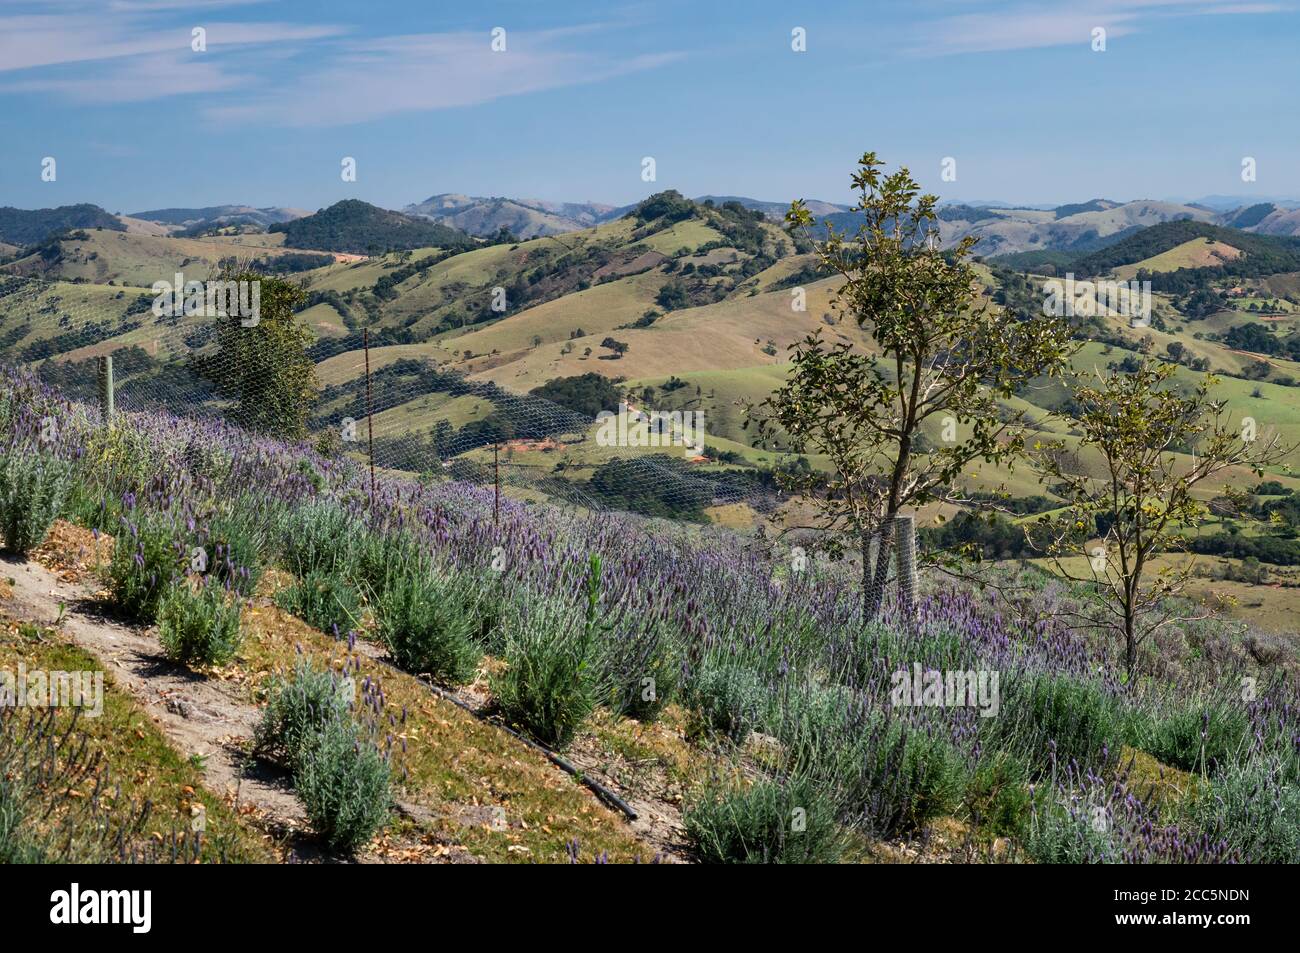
x=397 y=410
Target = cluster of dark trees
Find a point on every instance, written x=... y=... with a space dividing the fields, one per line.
x=1256 y=337
x=664 y=208
x=31 y=226
x=514 y=417
x=992 y=536
x=1266 y=549
x=286 y=264
x=586 y=394
x=660 y=485
x=385 y=289
x=90 y=333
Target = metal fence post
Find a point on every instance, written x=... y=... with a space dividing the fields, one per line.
x=106 y=386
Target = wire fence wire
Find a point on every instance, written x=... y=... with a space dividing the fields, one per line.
x=399 y=409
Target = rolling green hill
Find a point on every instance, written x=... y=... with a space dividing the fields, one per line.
x=103 y=256
x=24 y=227
x=359 y=228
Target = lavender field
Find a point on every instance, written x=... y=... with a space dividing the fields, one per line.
x=791 y=705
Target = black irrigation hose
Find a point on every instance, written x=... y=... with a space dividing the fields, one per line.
x=602 y=792
x=605 y=794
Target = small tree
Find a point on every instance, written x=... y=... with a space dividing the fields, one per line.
x=938 y=356
x=618 y=347
x=1128 y=486
x=263 y=365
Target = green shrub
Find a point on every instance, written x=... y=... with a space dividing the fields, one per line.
x=725 y=699
x=377 y=559
x=199 y=626
x=1196 y=737
x=343 y=782
x=299 y=706
x=324 y=600
x=1058 y=832
x=548 y=685
x=913 y=776
x=482 y=596
x=889 y=777
x=318 y=536
x=235 y=547
x=636 y=661
x=1251 y=805
x=998 y=795
x=147 y=561
x=884 y=649
x=33 y=490
x=639 y=667
x=427 y=629
x=768 y=822
x=88 y=506
x=1042 y=717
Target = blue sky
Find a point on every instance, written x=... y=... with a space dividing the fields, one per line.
x=1015 y=93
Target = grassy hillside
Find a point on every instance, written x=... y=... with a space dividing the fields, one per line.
x=1195 y=253
x=138 y=260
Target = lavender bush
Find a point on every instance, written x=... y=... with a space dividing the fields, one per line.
x=33 y=490
x=199 y=625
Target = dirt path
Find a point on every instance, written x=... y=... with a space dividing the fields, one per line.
x=199 y=716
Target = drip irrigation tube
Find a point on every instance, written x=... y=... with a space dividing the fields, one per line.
x=605 y=794
x=602 y=792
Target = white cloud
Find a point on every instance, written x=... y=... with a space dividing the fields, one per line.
x=31 y=42
x=285 y=73
x=392 y=75
x=141 y=79
x=1045 y=25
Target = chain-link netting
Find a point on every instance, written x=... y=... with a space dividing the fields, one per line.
x=400 y=410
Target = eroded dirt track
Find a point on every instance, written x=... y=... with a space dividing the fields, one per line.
x=202 y=717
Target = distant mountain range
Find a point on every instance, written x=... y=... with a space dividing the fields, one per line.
x=448 y=219
x=218 y=215
x=1226 y=203
x=526 y=218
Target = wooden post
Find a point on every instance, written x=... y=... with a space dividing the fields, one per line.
x=905 y=550
x=106 y=386
x=370 y=425
x=496 y=482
